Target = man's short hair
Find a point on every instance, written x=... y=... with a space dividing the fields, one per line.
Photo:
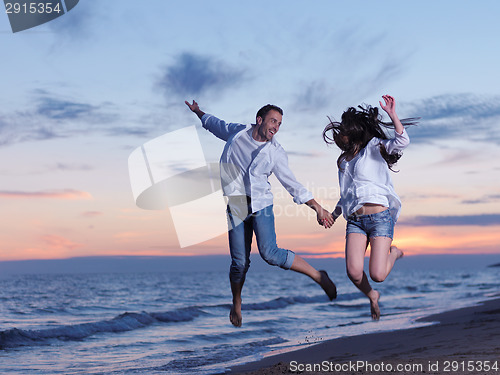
x=268 y=107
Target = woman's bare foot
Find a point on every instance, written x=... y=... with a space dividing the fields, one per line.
x=374 y=296
x=235 y=313
x=399 y=254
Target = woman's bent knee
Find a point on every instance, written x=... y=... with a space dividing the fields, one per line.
x=378 y=276
x=355 y=276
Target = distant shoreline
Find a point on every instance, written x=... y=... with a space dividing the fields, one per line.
x=464 y=340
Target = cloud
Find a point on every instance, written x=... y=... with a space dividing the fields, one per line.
x=459 y=106
x=55 y=116
x=50 y=117
x=141 y=131
x=484 y=199
x=465 y=116
x=192 y=75
x=344 y=78
x=62 y=109
x=38 y=170
x=67 y=194
x=425 y=196
x=58 y=109
x=387 y=71
x=332 y=254
x=89 y=214
x=475 y=220
x=128 y=236
x=72 y=167
x=55 y=242
x=314 y=95
x=76 y=23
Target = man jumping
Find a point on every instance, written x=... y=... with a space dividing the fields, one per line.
x=250 y=155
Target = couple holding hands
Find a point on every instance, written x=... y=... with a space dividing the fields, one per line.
x=368 y=201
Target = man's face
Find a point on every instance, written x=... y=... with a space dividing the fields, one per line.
x=268 y=126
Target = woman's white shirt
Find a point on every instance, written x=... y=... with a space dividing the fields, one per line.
x=366 y=178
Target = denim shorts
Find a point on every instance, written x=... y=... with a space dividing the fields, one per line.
x=375 y=225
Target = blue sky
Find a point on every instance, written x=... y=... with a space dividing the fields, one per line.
x=81 y=92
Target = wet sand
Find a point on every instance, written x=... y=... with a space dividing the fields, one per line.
x=465 y=341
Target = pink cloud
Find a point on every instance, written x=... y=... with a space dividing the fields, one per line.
x=128 y=236
x=68 y=194
x=91 y=214
x=55 y=242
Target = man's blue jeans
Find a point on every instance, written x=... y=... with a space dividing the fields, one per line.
x=240 y=243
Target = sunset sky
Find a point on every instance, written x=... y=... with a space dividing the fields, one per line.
x=80 y=93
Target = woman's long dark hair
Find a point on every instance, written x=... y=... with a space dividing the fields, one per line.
x=357 y=128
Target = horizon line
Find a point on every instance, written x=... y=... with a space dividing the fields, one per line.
x=303 y=255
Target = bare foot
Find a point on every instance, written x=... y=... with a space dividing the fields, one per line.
x=399 y=253
x=328 y=285
x=235 y=314
x=374 y=296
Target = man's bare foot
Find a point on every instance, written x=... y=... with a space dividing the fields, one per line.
x=235 y=314
x=399 y=253
x=374 y=296
x=328 y=285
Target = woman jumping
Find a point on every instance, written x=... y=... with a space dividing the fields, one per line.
x=367 y=197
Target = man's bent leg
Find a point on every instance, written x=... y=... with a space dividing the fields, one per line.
x=266 y=241
x=321 y=277
x=265 y=234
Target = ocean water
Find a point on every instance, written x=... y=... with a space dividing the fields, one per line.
x=176 y=322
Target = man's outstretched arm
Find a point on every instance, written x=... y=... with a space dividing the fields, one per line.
x=195 y=108
x=214 y=125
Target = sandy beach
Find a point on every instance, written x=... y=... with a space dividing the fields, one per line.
x=463 y=341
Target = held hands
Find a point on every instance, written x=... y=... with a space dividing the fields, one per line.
x=325 y=218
